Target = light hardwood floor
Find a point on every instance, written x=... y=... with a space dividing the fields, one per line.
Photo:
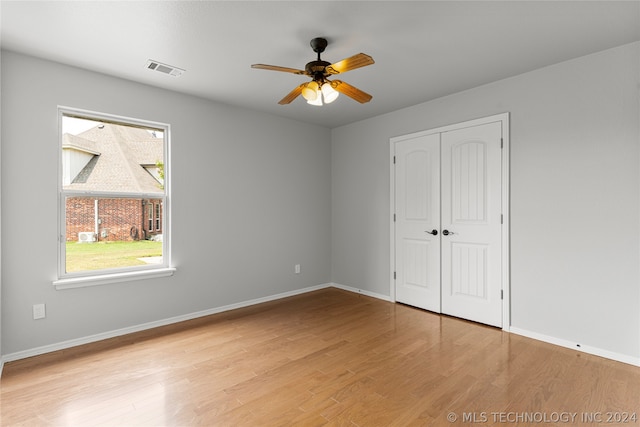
x=328 y=357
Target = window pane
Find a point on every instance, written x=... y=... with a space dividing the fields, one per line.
x=106 y=233
x=150 y=224
x=158 y=217
x=99 y=156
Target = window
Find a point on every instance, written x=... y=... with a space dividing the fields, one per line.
x=150 y=217
x=113 y=199
x=158 y=206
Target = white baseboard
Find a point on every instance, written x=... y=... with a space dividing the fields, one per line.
x=361 y=291
x=577 y=346
x=137 y=328
x=145 y=326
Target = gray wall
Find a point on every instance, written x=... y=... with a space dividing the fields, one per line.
x=255 y=194
x=574 y=195
x=251 y=198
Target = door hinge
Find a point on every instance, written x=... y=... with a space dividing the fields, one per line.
x=394 y=160
x=501 y=293
x=501 y=219
x=501 y=143
x=394 y=217
x=394 y=275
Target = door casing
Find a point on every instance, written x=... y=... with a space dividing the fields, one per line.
x=503 y=118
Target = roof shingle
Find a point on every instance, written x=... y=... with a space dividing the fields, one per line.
x=120 y=153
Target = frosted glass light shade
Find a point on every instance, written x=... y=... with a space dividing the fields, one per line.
x=310 y=91
x=317 y=101
x=329 y=93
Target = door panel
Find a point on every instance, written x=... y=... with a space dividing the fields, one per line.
x=468 y=182
x=417 y=199
x=471 y=212
x=468 y=270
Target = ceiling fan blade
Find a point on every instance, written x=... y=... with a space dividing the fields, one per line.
x=292 y=95
x=348 y=64
x=277 y=68
x=350 y=91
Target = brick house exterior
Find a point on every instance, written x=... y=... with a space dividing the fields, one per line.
x=113 y=158
x=117 y=219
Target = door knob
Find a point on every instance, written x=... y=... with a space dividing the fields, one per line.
x=434 y=232
x=447 y=232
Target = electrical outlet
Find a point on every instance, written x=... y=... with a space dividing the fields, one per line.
x=39 y=311
x=296 y=269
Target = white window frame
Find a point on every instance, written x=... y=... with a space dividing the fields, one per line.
x=100 y=277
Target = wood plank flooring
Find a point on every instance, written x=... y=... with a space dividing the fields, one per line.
x=328 y=357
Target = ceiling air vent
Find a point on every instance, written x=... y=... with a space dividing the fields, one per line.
x=164 y=68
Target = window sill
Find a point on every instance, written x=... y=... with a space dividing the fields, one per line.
x=105 y=279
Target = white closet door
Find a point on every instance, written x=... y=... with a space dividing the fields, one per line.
x=471 y=223
x=417 y=199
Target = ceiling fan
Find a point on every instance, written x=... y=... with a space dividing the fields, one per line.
x=320 y=87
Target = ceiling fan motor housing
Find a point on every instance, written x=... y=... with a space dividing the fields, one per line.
x=316 y=69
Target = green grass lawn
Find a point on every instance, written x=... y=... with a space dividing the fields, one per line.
x=99 y=255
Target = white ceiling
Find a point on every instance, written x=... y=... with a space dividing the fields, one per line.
x=423 y=49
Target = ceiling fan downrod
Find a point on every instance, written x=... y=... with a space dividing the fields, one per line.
x=317 y=68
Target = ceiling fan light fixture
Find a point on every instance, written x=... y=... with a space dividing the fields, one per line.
x=317 y=101
x=310 y=91
x=329 y=93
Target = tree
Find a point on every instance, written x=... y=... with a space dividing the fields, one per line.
x=160 y=166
